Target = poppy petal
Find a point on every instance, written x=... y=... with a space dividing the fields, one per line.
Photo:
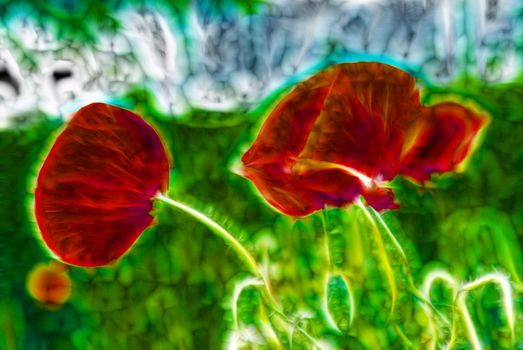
x=444 y=138
x=94 y=190
x=299 y=195
x=336 y=132
x=365 y=119
x=284 y=133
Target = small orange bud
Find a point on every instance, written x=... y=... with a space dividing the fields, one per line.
x=50 y=284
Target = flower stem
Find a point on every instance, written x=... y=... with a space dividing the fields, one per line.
x=217 y=229
x=383 y=256
x=244 y=255
x=408 y=273
x=326 y=239
x=229 y=238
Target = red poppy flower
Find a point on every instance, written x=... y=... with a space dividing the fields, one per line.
x=94 y=190
x=349 y=130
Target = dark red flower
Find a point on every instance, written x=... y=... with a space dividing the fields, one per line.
x=95 y=188
x=348 y=131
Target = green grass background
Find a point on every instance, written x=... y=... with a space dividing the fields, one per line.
x=173 y=289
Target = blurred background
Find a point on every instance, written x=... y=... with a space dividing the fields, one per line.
x=205 y=74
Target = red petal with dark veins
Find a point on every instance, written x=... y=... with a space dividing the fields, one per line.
x=444 y=139
x=365 y=119
x=285 y=131
x=299 y=195
x=331 y=136
x=94 y=190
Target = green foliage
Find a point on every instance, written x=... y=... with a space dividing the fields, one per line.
x=338 y=277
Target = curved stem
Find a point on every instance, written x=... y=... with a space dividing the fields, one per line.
x=391 y=236
x=242 y=252
x=410 y=281
x=220 y=231
x=223 y=233
x=383 y=256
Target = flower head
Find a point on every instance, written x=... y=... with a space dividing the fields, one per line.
x=50 y=284
x=94 y=190
x=348 y=131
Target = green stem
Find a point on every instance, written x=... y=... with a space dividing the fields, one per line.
x=223 y=233
x=392 y=237
x=410 y=281
x=326 y=238
x=242 y=252
x=383 y=256
x=220 y=231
